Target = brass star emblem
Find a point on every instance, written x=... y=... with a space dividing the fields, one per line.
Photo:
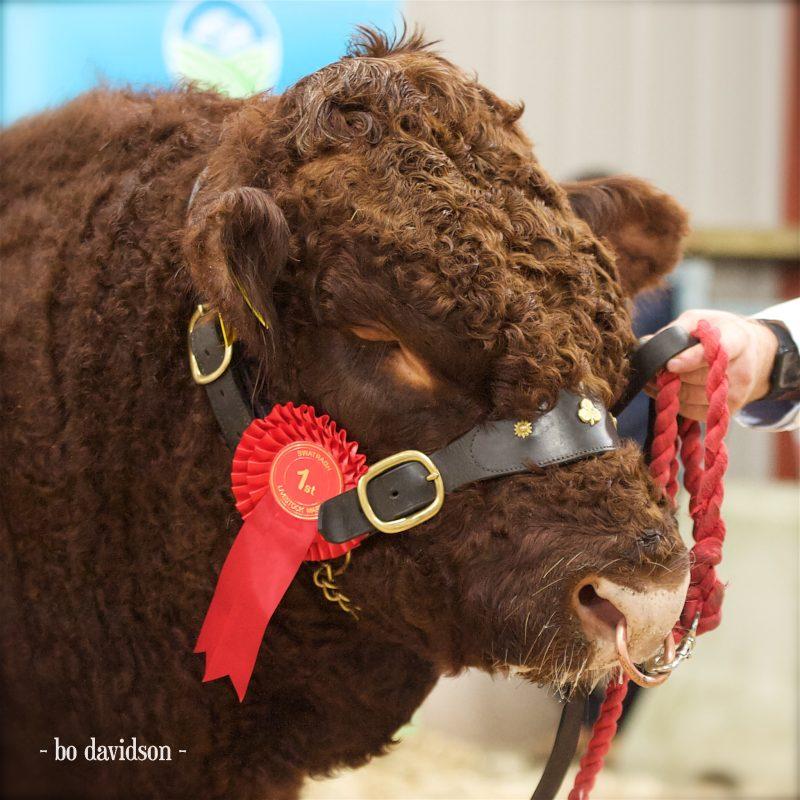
x=588 y=412
x=523 y=429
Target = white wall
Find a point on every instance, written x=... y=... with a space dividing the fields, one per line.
x=687 y=94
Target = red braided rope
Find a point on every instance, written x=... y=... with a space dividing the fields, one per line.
x=704 y=465
x=603 y=732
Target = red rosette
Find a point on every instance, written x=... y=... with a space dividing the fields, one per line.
x=285 y=467
x=266 y=438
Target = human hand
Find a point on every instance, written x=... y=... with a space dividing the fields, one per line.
x=751 y=349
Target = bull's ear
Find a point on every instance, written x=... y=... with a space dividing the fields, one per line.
x=644 y=226
x=236 y=246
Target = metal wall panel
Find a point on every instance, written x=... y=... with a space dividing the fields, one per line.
x=689 y=95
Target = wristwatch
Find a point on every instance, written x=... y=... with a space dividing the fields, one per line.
x=784 y=380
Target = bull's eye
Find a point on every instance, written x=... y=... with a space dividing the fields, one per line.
x=374 y=332
x=405 y=364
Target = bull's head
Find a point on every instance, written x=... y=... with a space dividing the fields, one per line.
x=421 y=273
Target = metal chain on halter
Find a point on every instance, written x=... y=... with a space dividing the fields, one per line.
x=704 y=463
x=325 y=578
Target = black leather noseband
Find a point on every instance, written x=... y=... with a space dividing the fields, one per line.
x=493 y=450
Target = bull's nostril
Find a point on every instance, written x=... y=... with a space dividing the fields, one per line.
x=599 y=615
x=587 y=595
x=649 y=611
x=652 y=536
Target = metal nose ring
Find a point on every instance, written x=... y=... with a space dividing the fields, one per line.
x=671 y=657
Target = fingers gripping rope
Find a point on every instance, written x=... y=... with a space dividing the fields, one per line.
x=704 y=465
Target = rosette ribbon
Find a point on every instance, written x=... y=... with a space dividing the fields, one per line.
x=285 y=466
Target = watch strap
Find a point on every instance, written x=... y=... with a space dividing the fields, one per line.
x=784 y=379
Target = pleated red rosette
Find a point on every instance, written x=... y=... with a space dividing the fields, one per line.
x=285 y=466
x=264 y=438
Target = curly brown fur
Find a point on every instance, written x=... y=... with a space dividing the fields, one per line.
x=386 y=188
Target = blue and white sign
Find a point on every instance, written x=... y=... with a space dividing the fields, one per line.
x=55 y=49
x=230 y=46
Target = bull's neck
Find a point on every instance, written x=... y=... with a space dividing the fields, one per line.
x=320 y=670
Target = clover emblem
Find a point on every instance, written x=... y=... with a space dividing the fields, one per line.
x=588 y=412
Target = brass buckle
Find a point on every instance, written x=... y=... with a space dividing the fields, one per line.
x=404 y=523
x=194 y=367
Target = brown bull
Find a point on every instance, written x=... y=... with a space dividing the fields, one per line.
x=421 y=273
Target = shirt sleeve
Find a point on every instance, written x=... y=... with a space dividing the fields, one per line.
x=776 y=415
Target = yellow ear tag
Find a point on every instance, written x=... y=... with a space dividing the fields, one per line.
x=256 y=313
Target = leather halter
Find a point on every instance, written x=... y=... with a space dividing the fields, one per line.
x=408 y=488
x=397 y=488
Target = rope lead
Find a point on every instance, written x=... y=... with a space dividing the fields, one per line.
x=704 y=465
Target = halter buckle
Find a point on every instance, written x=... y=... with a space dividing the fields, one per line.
x=227 y=337
x=404 y=523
